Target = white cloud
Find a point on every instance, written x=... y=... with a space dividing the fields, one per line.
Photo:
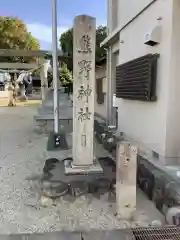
x=44 y=32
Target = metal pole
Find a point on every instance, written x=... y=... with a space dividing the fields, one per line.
x=55 y=65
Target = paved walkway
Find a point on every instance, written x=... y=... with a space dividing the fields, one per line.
x=22 y=154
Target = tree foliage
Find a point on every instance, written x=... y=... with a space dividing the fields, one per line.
x=14 y=35
x=66 y=43
x=65 y=76
x=100 y=36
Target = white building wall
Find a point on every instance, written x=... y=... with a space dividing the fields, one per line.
x=127 y=9
x=146 y=122
x=173 y=114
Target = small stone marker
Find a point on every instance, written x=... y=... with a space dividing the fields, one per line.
x=84 y=44
x=44 y=75
x=10 y=95
x=126 y=165
x=172 y=216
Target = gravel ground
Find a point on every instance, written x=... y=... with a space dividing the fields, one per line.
x=22 y=154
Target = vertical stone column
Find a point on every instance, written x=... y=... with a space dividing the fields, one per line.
x=84 y=44
x=10 y=94
x=109 y=91
x=43 y=76
x=126 y=165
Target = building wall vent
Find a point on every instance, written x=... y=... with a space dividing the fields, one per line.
x=153 y=37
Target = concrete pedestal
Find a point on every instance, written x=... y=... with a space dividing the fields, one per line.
x=71 y=169
x=45 y=116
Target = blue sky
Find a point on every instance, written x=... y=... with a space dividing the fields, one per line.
x=37 y=14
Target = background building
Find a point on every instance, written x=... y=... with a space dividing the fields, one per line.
x=148 y=107
x=101 y=88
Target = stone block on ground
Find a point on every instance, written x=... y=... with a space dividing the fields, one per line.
x=61 y=235
x=47 y=126
x=46 y=112
x=121 y=234
x=50 y=164
x=78 y=188
x=71 y=169
x=54 y=189
x=45 y=201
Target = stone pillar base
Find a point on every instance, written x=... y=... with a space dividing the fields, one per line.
x=47 y=126
x=71 y=169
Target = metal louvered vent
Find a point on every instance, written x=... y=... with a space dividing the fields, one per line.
x=159 y=233
x=136 y=79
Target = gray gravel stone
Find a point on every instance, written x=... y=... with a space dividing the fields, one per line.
x=46 y=201
x=23 y=154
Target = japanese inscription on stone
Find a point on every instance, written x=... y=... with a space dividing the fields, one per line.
x=85 y=44
x=84 y=92
x=83 y=89
x=85 y=67
x=84 y=115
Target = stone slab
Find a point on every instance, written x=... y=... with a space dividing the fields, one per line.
x=46 y=110
x=109 y=235
x=64 y=113
x=64 y=100
x=49 y=97
x=58 y=172
x=71 y=169
x=44 y=118
x=55 y=236
x=78 y=188
x=47 y=126
x=11 y=237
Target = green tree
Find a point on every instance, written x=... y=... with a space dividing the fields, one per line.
x=66 y=43
x=100 y=36
x=65 y=76
x=14 y=35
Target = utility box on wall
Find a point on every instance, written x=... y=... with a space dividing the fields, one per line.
x=153 y=37
x=104 y=85
x=114 y=101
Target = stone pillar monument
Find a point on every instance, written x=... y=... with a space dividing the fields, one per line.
x=11 y=102
x=126 y=165
x=84 y=87
x=84 y=45
x=43 y=75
